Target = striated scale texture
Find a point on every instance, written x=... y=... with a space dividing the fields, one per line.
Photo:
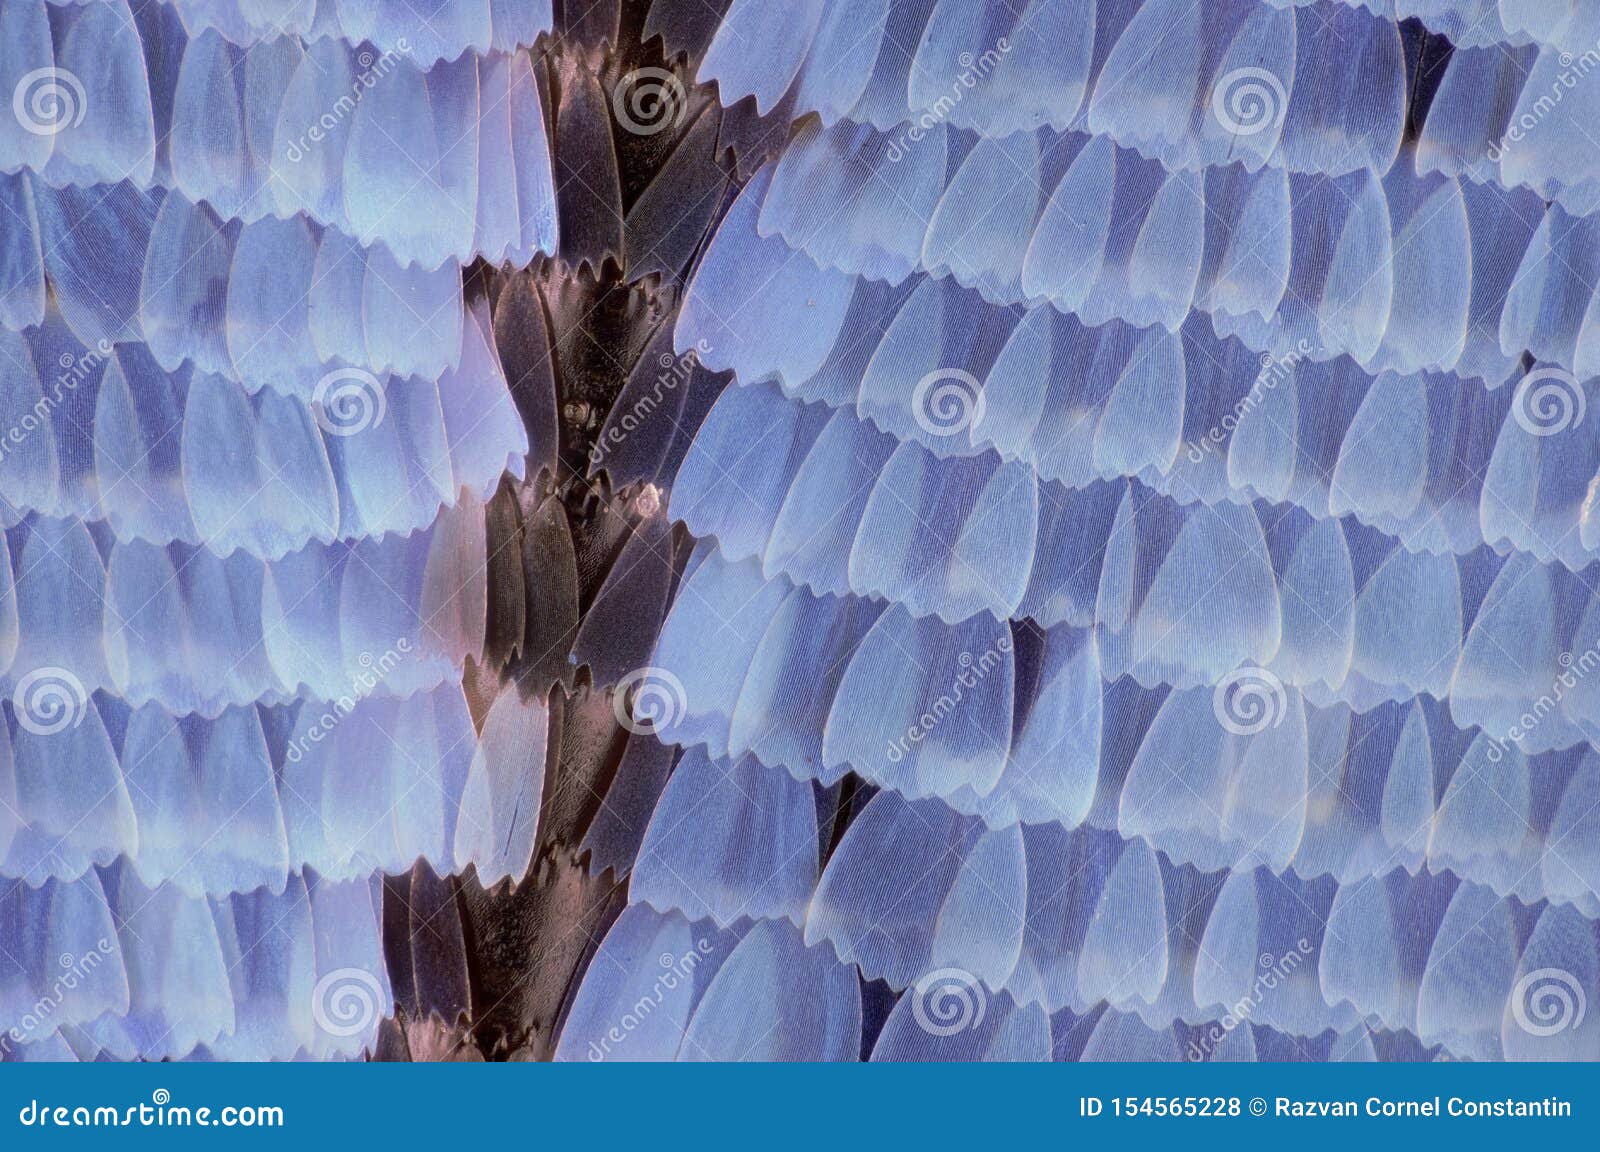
x=830 y=531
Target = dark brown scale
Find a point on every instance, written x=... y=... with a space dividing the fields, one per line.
x=490 y=973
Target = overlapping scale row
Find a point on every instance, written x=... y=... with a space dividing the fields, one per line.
x=1194 y=418
x=1076 y=919
x=346 y=787
x=1309 y=86
x=105 y=966
x=1145 y=564
x=1339 y=610
x=252 y=418
x=434 y=160
x=232 y=804
x=1143 y=72
x=1438 y=461
x=1571 y=24
x=274 y=304
x=103 y=432
x=377 y=766
x=430 y=31
x=1291 y=262
x=1013 y=723
x=1395 y=271
x=197 y=632
x=1100 y=950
